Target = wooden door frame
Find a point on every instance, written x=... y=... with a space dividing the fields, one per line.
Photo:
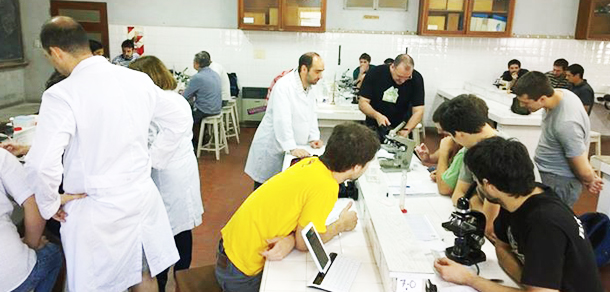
x=101 y=27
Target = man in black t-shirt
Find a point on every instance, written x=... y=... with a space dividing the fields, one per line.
x=540 y=243
x=391 y=94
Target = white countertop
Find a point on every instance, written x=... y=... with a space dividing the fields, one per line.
x=394 y=254
x=347 y=112
x=498 y=102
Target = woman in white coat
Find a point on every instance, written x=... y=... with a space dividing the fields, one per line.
x=177 y=175
x=290 y=120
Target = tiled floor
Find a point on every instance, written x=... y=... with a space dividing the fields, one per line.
x=224 y=186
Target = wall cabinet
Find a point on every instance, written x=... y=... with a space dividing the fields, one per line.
x=485 y=18
x=282 y=15
x=593 y=20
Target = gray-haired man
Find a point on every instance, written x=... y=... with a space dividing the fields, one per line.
x=205 y=87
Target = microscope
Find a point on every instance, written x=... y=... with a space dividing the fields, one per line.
x=469 y=228
x=401 y=147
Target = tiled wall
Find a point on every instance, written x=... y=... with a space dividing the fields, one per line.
x=257 y=57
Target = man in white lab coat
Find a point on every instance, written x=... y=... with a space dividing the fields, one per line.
x=290 y=120
x=98 y=119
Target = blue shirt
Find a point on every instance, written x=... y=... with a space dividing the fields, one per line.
x=205 y=86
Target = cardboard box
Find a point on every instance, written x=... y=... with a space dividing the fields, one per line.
x=453 y=21
x=438 y=4
x=436 y=23
x=273 y=18
x=482 y=5
x=455 y=5
x=257 y=18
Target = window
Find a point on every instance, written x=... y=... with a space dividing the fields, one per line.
x=376 y=4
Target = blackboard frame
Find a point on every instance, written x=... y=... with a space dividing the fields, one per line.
x=20 y=61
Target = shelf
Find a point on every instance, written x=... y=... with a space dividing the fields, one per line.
x=492 y=12
x=445 y=11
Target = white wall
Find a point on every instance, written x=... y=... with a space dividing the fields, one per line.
x=353 y=19
x=34 y=13
x=545 y=17
x=181 y=13
x=21 y=84
x=176 y=30
x=257 y=57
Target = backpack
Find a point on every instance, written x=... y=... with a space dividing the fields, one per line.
x=233 y=84
x=597 y=227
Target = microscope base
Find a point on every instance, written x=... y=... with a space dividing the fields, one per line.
x=473 y=257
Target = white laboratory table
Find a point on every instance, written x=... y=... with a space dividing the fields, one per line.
x=383 y=241
x=603 y=164
x=526 y=128
x=330 y=115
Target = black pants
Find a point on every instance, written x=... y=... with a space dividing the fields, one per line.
x=184 y=244
x=197 y=117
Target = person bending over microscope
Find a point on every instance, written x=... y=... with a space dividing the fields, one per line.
x=540 y=243
x=391 y=94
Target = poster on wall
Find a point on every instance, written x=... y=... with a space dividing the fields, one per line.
x=136 y=34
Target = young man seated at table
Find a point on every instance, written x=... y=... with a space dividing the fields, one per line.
x=541 y=244
x=269 y=223
x=448 y=158
x=467 y=127
x=514 y=71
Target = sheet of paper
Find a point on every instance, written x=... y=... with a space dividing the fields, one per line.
x=336 y=211
x=421 y=227
x=418 y=182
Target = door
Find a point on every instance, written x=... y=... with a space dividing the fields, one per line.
x=91 y=15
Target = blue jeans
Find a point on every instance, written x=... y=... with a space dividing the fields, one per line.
x=230 y=278
x=43 y=276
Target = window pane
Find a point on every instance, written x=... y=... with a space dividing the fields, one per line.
x=488 y=22
x=396 y=4
x=359 y=3
x=261 y=12
x=446 y=15
x=303 y=13
x=81 y=15
x=600 y=23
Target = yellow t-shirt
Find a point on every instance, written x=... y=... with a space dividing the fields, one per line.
x=305 y=192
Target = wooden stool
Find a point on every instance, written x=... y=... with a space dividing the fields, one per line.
x=218 y=141
x=596 y=137
x=233 y=104
x=197 y=280
x=230 y=122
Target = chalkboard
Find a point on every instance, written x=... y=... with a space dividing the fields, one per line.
x=11 y=45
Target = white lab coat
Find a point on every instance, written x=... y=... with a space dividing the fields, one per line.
x=225 y=84
x=178 y=181
x=290 y=120
x=98 y=119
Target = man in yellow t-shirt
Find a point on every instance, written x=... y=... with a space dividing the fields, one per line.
x=265 y=225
